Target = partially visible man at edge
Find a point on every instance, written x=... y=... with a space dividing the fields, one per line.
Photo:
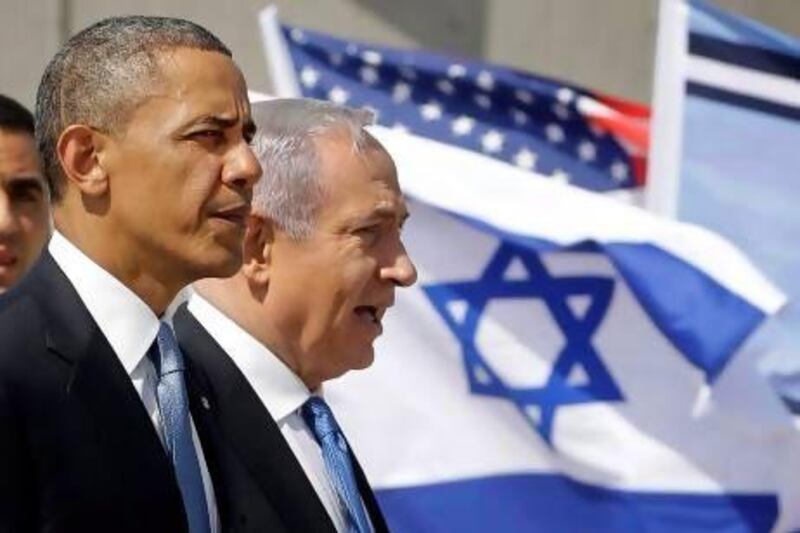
x=322 y=258
x=144 y=126
x=24 y=199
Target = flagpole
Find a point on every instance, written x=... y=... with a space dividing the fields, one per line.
x=663 y=177
x=279 y=63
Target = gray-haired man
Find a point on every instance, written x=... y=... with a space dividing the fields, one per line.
x=144 y=127
x=323 y=256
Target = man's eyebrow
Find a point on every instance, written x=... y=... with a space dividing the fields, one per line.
x=390 y=211
x=222 y=122
x=26 y=181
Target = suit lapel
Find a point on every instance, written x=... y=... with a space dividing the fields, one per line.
x=252 y=433
x=123 y=432
x=200 y=405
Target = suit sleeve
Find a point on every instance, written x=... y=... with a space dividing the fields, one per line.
x=16 y=502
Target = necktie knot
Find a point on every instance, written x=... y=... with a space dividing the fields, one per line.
x=171 y=359
x=319 y=418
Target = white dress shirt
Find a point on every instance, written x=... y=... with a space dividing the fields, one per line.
x=282 y=394
x=130 y=327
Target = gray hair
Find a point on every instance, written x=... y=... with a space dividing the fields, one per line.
x=102 y=74
x=290 y=190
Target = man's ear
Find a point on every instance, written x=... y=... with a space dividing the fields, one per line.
x=257 y=248
x=79 y=149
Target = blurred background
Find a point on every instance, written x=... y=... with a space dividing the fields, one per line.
x=607 y=45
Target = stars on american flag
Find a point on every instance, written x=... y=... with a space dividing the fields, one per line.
x=485 y=80
x=431 y=111
x=482 y=100
x=524 y=96
x=401 y=92
x=532 y=123
x=561 y=111
x=463 y=125
x=587 y=151
x=456 y=70
x=565 y=95
x=560 y=176
x=297 y=35
x=519 y=116
x=337 y=95
x=554 y=133
x=369 y=75
x=371 y=57
x=526 y=159
x=619 y=170
x=446 y=86
x=492 y=141
x=309 y=77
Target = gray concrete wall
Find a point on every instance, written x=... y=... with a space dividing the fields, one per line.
x=29 y=35
x=603 y=44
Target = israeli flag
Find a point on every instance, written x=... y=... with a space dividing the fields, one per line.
x=566 y=363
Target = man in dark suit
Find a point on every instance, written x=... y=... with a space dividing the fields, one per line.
x=322 y=258
x=144 y=126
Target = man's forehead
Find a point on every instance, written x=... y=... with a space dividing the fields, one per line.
x=17 y=152
x=198 y=84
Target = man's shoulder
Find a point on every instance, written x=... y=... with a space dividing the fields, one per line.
x=21 y=317
x=24 y=321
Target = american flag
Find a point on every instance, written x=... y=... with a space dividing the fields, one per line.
x=551 y=128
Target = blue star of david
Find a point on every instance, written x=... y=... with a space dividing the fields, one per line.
x=577 y=331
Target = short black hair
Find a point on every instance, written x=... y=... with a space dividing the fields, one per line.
x=14 y=116
x=101 y=74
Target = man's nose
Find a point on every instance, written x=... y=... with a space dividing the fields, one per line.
x=401 y=271
x=8 y=221
x=242 y=169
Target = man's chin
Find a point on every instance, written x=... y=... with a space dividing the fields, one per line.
x=365 y=359
x=223 y=263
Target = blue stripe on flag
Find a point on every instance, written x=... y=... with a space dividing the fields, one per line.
x=743 y=55
x=553 y=504
x=742 y=101
x=686 y=316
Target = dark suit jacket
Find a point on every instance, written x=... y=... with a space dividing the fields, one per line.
x=78 y=451
x=268 y=474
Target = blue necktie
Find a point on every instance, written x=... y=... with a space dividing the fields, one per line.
x=174 y=406
x=319 y=418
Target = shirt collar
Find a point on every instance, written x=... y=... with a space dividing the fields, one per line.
x=278 y=388
x=129 y=325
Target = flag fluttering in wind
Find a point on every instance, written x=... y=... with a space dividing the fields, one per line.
x=555 y=129
x=565 y=362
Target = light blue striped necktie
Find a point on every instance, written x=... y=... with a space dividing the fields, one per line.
x=319 y=418
x=173 y=403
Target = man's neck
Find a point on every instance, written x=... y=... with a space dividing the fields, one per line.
x=237 y=300
x=120 y=259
